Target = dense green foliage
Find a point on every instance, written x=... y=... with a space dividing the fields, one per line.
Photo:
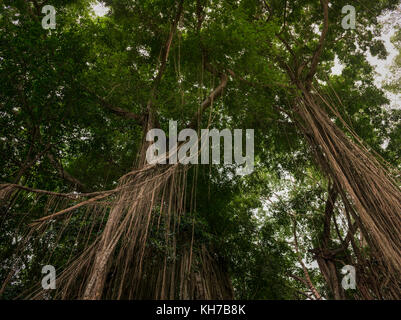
x=63 y=94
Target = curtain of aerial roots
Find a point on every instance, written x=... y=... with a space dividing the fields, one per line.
x=140 y=252
x=116 y=259
x=363 y=182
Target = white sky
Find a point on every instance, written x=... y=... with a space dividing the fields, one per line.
x=100 y=9
x=382 y=67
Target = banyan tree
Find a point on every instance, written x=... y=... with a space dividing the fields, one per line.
x=78 y=193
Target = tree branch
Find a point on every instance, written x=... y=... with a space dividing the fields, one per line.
x=65 y=175
x=216 y=93
x=306 y=273
x=115 y=110
x=319 y=49
x=163 y=64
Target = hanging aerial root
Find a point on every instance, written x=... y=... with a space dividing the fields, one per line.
x=362 y=180
x=112 y=265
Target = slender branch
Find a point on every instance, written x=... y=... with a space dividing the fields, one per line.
x=305 y=294
x=306 y=273
x=268 y=9
x=287 y=46
x=31 y=162
x=50 y=193
x=216 y=93
x=163 y=63
x=167 y=46
x=59 y=213
x=319 y=49
x=115 y=110
x=65 y=175
x=72 y=196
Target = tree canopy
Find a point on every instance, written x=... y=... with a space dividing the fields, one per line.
x=77 y=101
